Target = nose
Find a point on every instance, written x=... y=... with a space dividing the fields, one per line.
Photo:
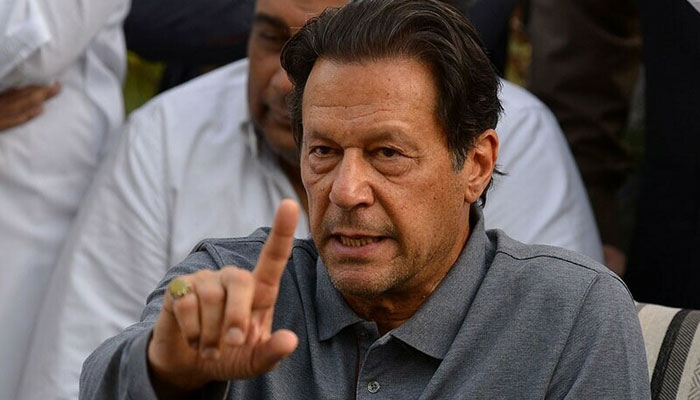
x=280 y=82
x=351 y=186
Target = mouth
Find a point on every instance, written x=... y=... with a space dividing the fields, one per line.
x=358 y=246
x=357 y=241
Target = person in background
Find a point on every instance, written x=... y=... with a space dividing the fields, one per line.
x=400 y=292
x=61 y=67
x=214 y=157
x=190 y=37
x=195 y=37
x=585 y=63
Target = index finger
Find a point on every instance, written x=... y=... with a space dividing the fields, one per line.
x=278 y=246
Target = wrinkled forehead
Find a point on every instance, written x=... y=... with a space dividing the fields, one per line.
x=293 y=14
x=388 y=81
x=388 y=95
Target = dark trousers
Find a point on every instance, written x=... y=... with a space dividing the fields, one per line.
x=585 y=64
x=665 y=259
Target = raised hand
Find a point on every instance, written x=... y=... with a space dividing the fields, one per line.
x=220 y=328
x=18 y=106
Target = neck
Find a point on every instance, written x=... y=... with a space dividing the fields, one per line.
x=391 y=310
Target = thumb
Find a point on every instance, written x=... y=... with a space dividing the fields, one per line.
x=281 y=344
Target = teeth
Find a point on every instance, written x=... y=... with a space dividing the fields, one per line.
x=346 y=241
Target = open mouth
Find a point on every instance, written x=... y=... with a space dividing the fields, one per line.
x=357 y=242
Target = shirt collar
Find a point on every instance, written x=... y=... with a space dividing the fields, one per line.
x=248 y=131
x=433 y=327
x=334 y=314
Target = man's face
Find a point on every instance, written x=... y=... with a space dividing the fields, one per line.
x=388 y=212
x=274 y=22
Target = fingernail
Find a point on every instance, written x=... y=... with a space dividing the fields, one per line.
x=210 y=353
x=234 y=336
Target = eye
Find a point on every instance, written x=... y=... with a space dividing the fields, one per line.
x=321 y=159
x=387 y=152
x=321 y=150
x=271 y=37
x=390 y=161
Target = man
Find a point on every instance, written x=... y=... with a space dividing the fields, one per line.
x=205 y=161
x=401 y=293
x=62 y=64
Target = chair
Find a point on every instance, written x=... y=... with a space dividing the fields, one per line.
x=672 y=342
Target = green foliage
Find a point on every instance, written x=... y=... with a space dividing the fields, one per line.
x=142 y=80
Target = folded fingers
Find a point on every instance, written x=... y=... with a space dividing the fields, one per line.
x=215 y=309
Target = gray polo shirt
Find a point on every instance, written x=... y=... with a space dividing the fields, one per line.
x=509 y=321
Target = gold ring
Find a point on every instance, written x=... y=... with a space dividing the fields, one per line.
x=178 y=288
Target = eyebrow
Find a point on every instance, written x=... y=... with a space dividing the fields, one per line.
x=267 y=19
x=384 y=135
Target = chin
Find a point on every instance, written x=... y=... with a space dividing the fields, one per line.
x=356 y=283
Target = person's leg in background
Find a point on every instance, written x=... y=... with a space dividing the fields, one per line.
x=664 y=261
x=585 y=64
x=491 y=19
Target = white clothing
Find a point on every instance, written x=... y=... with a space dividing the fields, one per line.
x=695 y=3
x=542 y=199
x=189 y=167
x=47 y=163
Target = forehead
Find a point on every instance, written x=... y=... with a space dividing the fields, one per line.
x=390 y=94
x=294 y=13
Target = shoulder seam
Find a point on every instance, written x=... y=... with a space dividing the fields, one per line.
x=546 y=256
x=597 y=273
x=219 y=259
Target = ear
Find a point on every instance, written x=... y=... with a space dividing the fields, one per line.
x=481 y=160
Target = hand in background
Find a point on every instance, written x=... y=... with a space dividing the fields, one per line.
x=615 y=259
x=18 y=106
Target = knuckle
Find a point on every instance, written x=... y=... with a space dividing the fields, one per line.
x=212 y=294
x=236 y=316
x=229 y=272
x=203 y=274
x=237 y=276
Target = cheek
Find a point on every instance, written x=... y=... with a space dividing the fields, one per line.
x=430 y=208
x=308 y=178
x=260 y=71
x=254 y=97
x=316 y=190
